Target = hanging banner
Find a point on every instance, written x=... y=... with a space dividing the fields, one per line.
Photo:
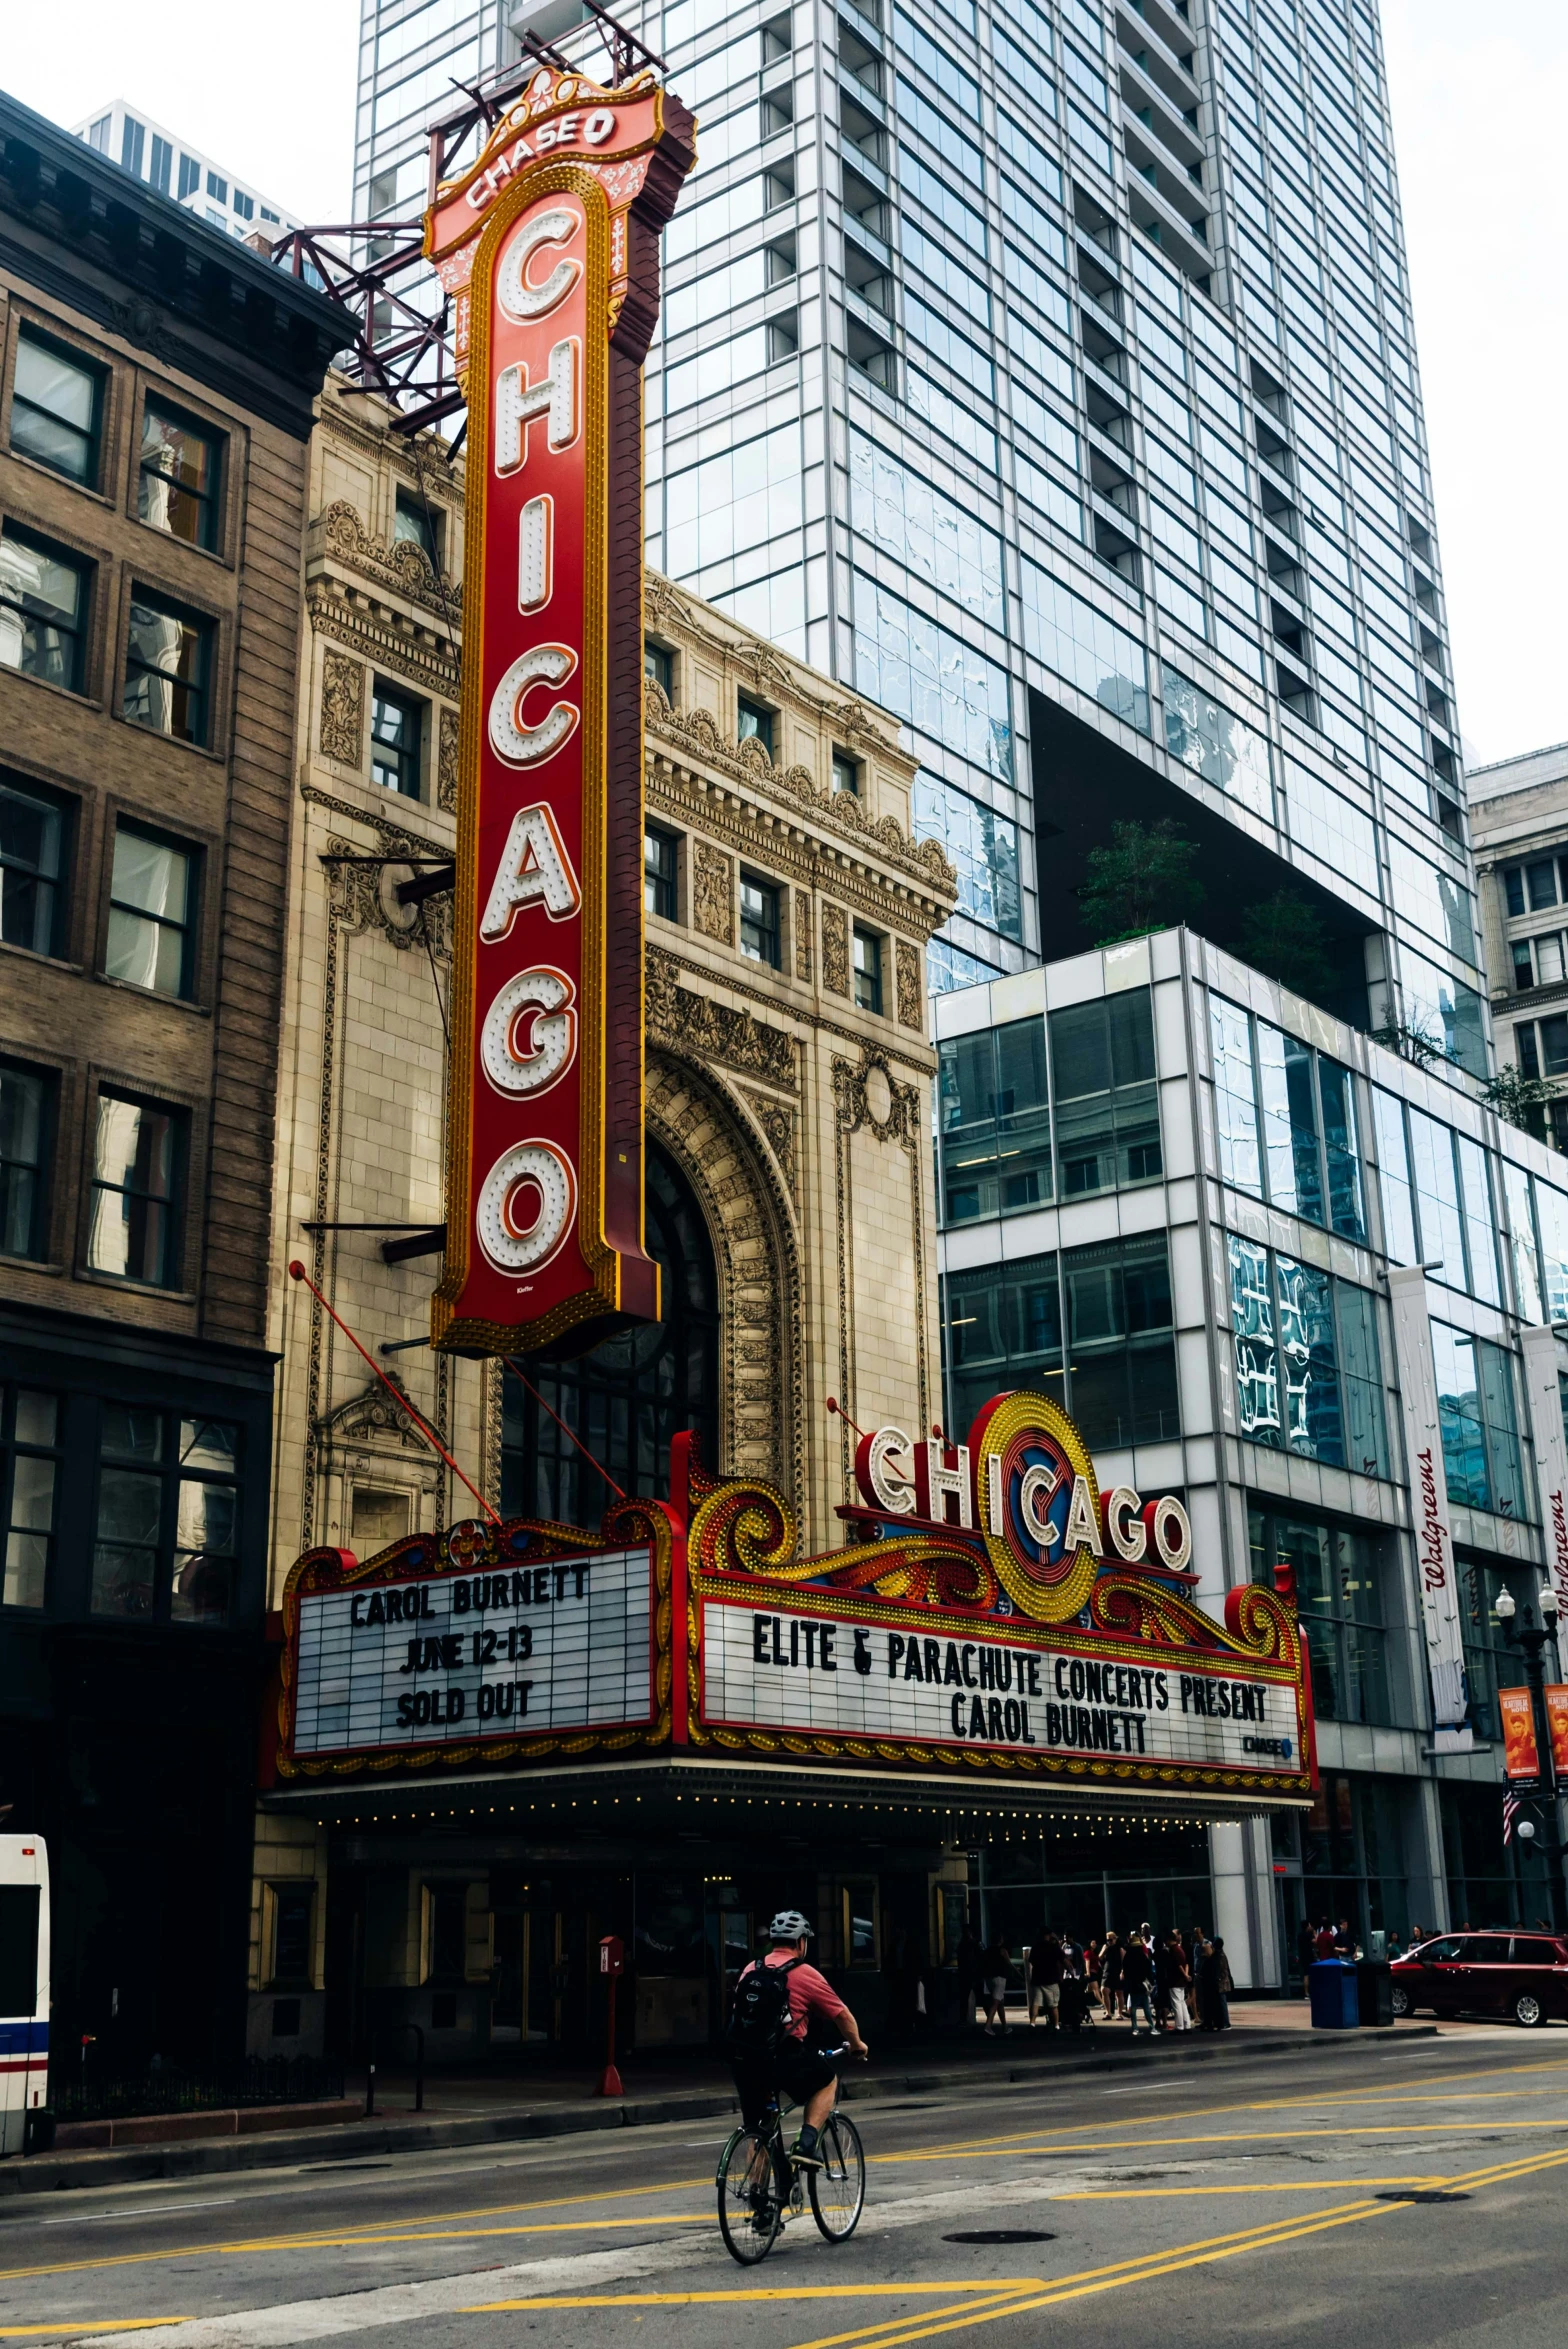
x=548 y=245
x=1557 y=1726
x=1544 y=1401
x=1435 y=1571
x=1521 y=1753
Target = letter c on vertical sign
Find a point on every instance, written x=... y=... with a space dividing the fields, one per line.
x=520 y=300
x=529 y=1037
x=530 y=1175
x=511 y=738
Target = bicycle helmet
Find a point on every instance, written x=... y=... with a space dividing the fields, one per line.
x=789 y=1925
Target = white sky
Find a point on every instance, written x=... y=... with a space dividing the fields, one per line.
x=1479 y=98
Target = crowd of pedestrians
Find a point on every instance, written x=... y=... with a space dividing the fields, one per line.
x=1154 y=1982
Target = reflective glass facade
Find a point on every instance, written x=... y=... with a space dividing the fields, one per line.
x=1023 y=358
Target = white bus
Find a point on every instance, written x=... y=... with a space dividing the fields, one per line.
x=24 y=1984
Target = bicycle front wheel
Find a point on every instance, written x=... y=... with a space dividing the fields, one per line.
x=750 y=2211
x=838 y=2189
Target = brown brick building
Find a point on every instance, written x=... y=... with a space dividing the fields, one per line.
x=157 y=383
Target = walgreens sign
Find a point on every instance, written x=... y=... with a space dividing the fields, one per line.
x=549 y=246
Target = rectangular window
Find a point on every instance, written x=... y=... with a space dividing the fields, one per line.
x=868 y=970
x=940 y=684
x=56 y=404
x=26 y=1119
x=1341 y=1150
x=30 y=1467
x=396 y=740
x=983 y=848
x=415 y=524
x=1520 y=1245
x=190 y=176
x=1540 y=882
x=1551 y=1213
x=135 y=1191
x=846 y=773
x=1513 y=885
x=1068 y=635
x=1107 y=1107
x=1393 y=1160
x=177 y=483
x=759 y=920
x=1290 y=1135
x=43 y=608
x=659 y=853
x=1361 y=1380
x=32 y=864
x=168 y=1514
x=1253 y=1334
x=1480 y=1221
x=754 y=723
x=1339 y=1574
x=245 y=206
x=659 y=664
x=1004 y=1330
x=920 y=528
x=1490 y=1662
x=162 y=164
x=1210 y=739
x=166 y=663
x=1309 y=1369
x=151 y=911
x=1121 y=1381
x=1235 y=1103
x=133 y=139
x=1478 y=1413
x=1437 y=1199
x=994 y=1123
x=217 y=188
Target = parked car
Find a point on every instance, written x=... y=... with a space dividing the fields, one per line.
x=1522 y=1975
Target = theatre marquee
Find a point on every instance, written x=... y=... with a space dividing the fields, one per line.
x=997 y=1618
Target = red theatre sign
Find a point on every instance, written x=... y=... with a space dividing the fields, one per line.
x=549 y=246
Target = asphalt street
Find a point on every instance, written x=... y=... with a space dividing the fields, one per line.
x=1397 y=2194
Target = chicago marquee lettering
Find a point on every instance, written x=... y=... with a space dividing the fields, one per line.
x=548 y=246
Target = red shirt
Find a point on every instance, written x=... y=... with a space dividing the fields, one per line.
x=811 y=1995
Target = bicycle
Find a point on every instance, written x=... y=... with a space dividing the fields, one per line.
x=760 y=2190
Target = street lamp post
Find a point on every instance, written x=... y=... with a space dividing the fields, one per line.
x=1532 y=1640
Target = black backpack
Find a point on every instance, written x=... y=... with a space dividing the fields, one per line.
x=759 y=2017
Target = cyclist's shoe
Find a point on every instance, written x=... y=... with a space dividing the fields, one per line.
x=807 y=2157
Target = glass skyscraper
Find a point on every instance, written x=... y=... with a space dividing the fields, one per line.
x=1046 y=372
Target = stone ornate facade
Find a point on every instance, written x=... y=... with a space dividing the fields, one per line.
x=798 y=1119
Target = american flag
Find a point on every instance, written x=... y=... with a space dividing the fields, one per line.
x=1512 y=1806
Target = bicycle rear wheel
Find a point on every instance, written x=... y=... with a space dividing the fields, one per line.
x=838 y=2189
x=750 y=2211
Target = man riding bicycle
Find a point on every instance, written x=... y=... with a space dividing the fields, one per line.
x=785 y=2015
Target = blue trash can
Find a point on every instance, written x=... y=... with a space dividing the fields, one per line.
x=1334 y=1993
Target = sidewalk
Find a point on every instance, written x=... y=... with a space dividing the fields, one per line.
x=473 y=2110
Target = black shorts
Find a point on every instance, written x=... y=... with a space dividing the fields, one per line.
x=797 y=2072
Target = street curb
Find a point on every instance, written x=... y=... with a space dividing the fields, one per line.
x=348 y=2142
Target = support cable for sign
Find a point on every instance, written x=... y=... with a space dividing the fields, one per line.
x=561 y=1424
x=836 y=1410
x=297 y=1272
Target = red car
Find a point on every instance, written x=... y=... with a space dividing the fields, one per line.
x=1521 y=1975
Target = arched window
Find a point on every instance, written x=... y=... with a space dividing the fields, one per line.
x=630 y=1395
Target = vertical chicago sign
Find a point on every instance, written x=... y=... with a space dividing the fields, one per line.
x=548 y=245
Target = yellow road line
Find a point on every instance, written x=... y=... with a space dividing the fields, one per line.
x=1156 y=2264
x=1211 y=2137
x=987 y=2288
x=372 y=2233
x=353 y=2238
x=92 y=2324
